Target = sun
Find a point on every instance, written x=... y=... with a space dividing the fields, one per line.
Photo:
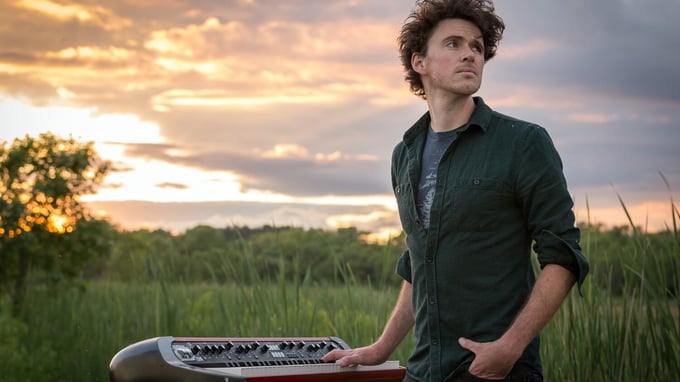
x=59 y=224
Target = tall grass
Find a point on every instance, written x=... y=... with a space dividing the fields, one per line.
x=72 y=335
x=630 y=334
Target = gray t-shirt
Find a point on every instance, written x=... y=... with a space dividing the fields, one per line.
x=435 y=147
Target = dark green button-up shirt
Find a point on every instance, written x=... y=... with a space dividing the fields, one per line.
x=500 y=188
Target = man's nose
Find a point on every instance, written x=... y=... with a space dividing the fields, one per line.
x=468 y=55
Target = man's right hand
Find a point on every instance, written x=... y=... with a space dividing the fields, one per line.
x=367 y=355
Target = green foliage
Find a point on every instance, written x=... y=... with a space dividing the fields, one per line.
x=621 y=255
x=207 y=254
x=18 y=345
x=44 y=229
x=43 y=177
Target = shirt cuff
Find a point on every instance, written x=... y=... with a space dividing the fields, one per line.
x=404 y=266
x=552 y=249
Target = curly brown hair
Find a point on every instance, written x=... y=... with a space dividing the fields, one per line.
x=426 y=16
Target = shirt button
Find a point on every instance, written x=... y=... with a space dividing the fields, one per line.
x=433 y=300
x=435 y=341
x=476 y=182
x=430 y=260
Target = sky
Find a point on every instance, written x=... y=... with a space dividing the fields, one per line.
x=254 y=112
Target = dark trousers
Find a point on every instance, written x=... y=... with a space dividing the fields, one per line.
x=519 y=373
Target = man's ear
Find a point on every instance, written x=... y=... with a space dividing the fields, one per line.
x=418 y=63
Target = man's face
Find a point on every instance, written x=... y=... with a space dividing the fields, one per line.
x=454 y=60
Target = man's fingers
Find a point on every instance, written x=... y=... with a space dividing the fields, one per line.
x=332 y=356
x=341 y=357
x=344 y=361
x=468 y=344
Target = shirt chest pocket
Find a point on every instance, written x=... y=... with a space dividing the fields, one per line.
x=473 y=205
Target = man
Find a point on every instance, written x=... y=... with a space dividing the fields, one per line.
x=475 y=189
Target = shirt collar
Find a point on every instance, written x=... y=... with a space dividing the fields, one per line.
x=480 y=118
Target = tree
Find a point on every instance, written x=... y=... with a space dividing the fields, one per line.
x=41 y=182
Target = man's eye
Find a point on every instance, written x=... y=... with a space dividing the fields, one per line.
x=478 y=49
x=451 y=44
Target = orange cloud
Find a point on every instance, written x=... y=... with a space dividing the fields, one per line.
x=287 y=150
x=97 y=15
x=92 y=53
x=596 y=118
x=221 y=98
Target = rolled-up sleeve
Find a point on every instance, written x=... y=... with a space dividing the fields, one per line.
x=403 y=267
x=552 y=249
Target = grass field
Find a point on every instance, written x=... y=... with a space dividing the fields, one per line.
x=71 y=336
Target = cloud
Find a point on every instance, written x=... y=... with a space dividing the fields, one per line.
x=178 y=186
x=181 y=216
x=97 y=15
x=300 y=100
x=620 y=47
x=287 y=169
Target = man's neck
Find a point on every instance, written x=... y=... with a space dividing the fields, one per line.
x=450 y=113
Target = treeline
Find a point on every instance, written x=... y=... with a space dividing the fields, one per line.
x=206 y=254
x=246 y=255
